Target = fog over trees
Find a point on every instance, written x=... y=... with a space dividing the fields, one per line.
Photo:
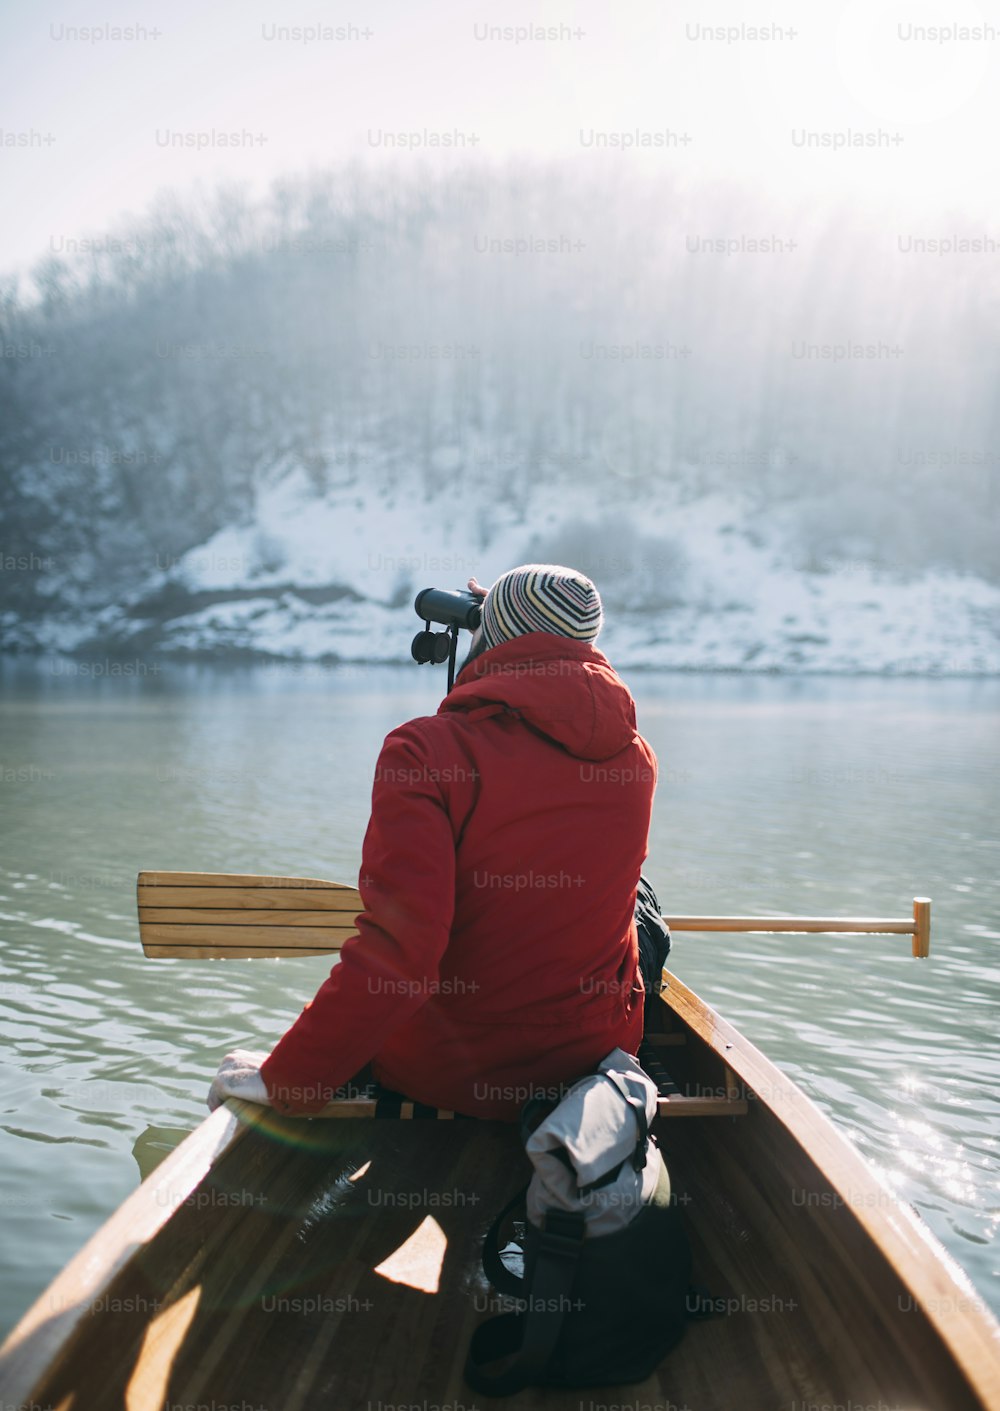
x=473 y=334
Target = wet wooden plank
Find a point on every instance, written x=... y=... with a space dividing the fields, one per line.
x=246 y=916
x=322 y=900
x=235 y=951
x=234 y=879
x=267 y=938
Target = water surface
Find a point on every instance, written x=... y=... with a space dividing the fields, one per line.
x=807 y=795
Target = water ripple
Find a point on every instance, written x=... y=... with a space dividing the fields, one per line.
x=101 y=1044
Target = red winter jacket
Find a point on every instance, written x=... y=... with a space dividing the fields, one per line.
x=496 y=957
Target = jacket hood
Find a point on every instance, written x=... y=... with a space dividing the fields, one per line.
x=566 y=690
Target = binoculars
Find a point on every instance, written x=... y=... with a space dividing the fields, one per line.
x=453 y=608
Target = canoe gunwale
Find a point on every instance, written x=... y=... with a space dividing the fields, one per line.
x=935 y=1279
x=40 y=1338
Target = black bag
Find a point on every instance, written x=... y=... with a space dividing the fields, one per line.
x=594 y=1308
x=654 y=938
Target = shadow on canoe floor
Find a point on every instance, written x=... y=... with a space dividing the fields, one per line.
x=337 y=1264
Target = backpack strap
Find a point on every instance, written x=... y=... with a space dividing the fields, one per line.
x=638 y=1106
x=529 y=1339
x=493 y=1266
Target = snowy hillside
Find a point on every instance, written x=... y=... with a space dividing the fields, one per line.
x=271 y=424
x=686 y=586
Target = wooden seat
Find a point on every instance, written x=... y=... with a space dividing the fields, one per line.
x=371 y=1100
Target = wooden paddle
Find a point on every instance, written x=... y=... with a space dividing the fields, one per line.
x=228 y=916
x=234 y=916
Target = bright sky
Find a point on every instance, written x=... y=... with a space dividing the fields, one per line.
x=97 y=117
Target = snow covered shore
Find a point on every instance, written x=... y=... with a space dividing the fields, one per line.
x=688 y=586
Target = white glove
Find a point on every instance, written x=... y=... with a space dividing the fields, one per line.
x=239 y=1076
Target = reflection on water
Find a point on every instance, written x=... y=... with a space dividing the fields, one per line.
x=813 y=795
x=153 y=1145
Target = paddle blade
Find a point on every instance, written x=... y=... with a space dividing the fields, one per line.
x=233 y=916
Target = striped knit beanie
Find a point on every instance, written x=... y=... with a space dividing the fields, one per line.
x=541 y=597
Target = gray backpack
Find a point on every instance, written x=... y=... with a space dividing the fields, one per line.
x=606 y=1258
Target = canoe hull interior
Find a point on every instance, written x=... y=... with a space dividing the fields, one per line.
x=337 y=1263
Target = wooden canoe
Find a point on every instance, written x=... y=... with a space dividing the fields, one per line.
x=282 y=1264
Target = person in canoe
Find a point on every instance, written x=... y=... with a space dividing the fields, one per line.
x=496 y=957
